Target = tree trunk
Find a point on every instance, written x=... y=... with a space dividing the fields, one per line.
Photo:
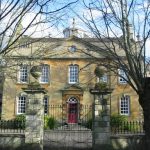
x=144 y=99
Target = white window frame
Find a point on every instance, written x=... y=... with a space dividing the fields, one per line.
x=122 y=76
x=125 y=105
x=23 y=74
x=73 y=74
x=44 y=78
x=46 y=102
x=21 y=104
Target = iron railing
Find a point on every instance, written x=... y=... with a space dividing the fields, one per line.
x=13 y=126
x=127 y=127
x=57 y=118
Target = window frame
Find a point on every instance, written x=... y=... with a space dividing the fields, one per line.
x=122 y=76
x=124 y=105
x=21 y=107
x=45 y=76
x=46 y=106
x=74 y=75
x=20 y=75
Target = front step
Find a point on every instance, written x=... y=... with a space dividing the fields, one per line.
x=73 y=127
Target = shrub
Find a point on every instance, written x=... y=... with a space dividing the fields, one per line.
x=120 y=122
x=89 y=123
x=20 y=118
x=19 y=121
x=49 y=122
x=117 y=120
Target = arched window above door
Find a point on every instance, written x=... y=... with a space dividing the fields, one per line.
x=72 y=100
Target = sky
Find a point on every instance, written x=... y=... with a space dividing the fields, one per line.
x=65 y=18
x=148 y=48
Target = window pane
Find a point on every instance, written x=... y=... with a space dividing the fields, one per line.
x=122 y=76
x=73 y=74
x=21 y=104
x=45 y=74
x=124 y=105
x=23 y=73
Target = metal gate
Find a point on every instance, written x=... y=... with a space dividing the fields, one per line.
x=68 y=136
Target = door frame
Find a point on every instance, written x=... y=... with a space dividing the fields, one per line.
x=73 y=100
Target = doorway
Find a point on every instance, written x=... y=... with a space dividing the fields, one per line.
x=72 y=110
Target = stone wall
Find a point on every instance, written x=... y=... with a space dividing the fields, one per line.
x=127 y=142
x=118 y=142
x=121 y=142
x=11 y=140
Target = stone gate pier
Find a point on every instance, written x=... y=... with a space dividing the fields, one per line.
x=101 y=118
x=34 y=130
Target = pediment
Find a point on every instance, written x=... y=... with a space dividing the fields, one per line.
x=59 y=48
x=63 y=49
x=73 y=87
x=72 y=90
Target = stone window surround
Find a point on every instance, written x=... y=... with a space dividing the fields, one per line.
x=124 y=105
x=22 y=102
x=44 y=78
x=73 y=73
x=23 y=74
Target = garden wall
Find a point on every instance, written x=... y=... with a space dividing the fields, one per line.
x=11 y=140
x=127 y=142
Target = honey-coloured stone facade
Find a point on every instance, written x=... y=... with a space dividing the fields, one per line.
x=57 y=55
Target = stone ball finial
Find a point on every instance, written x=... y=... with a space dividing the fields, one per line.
x=36 y=71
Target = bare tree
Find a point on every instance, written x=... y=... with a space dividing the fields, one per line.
x=126 y=26
x=18 y=17
x=19 y=21
x=33 y=12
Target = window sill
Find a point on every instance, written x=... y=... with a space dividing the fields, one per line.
x=122 y=83
x=42 y=83
x=24 y=83
x=73 y=82
x=20 y=114
x=127 y=115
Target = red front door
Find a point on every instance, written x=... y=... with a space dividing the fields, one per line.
x=72 y=112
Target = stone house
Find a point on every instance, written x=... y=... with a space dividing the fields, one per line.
x=67 y=75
